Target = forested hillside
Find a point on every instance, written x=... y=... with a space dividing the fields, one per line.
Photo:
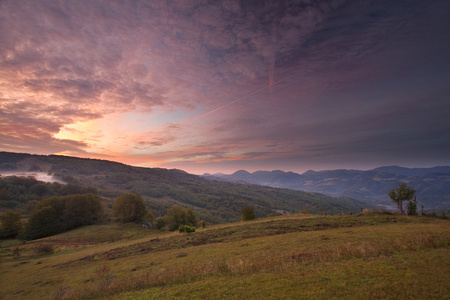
x=213 y=201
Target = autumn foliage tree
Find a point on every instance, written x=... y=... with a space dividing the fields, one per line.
x=129 y=208
x=400 y=194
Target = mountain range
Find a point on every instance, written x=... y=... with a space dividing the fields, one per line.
x=432 y=185
x=212 y=200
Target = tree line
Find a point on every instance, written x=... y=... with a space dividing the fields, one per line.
x=17 y=191
x=57 y=214
x=53 y=215
x=62 y=213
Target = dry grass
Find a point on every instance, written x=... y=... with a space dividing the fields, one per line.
x=268 y=255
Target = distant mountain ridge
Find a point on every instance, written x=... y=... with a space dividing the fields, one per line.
x=432 y=184
x=212 y=200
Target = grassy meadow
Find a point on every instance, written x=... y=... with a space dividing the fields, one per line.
x=368 y=256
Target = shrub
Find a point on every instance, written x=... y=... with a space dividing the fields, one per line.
x=160 y=223
x=16 y=252
x=186 y=228
x=201 y=224
x=248 y=213
x=412 y=207
x=189 y=229
x=44 y=249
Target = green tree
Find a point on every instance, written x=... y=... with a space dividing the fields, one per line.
x=248 y=213
x=11 y=224
x=42 y=222
x=160 y=223
x=176 y=216
x=57 y=214
x=400 y=194
x=129 y=208
x=81 y=210
x=412 y=207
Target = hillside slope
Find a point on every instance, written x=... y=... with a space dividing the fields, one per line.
x=367 y=256
x=212 y=200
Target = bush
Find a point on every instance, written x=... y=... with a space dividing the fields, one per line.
x=160 y=223
x=44 y=249
x=248 y=213
x=412 y=207
x=201 y=224
x=186 y=228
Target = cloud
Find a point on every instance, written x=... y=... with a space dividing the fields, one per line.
x=224 y=81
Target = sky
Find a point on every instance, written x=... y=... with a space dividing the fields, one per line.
x=219 y=86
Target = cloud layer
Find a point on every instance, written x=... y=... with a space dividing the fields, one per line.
x=204 y=86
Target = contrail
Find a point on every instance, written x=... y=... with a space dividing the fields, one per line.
x=271 y=75
x=239 y=99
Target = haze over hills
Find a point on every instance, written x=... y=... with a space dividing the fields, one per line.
x=213 y=201
x=432 y=184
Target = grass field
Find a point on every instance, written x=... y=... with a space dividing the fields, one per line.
x=371 y=256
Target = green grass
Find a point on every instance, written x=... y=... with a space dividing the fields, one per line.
x=299 y=257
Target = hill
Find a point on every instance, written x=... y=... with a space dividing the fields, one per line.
x=432 y=184
x=213 y=201
x=362 y=256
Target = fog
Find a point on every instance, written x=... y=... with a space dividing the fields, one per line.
x=41 y=176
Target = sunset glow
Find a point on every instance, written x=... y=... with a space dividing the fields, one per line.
x=203 y=87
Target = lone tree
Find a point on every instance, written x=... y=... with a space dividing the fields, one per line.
x=248 y=213
x=400 y=194
x=129 y=208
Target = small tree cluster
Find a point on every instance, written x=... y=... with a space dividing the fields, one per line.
x=15 y=190
x=59 y=214
x=176 y=216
